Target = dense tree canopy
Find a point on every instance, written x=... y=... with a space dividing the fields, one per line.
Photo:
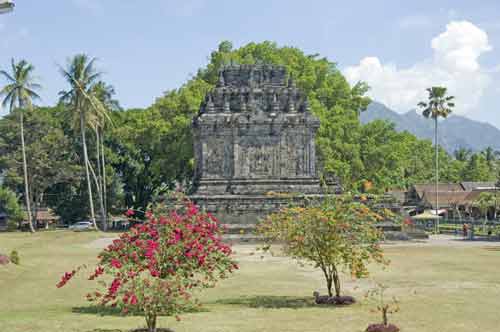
x=148 y=151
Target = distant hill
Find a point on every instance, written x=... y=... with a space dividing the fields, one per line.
x=454 y=132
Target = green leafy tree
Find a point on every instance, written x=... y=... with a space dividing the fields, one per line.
x=332 y=99
x=10 y=206
x=50 y=155
x=462 y=154
x=477 y=169
x=20 y=92
x=146 y=154
x=484 y=202
x=336 y=236
x=439 y=105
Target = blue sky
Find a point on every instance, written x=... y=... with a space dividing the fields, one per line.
x=148 y=47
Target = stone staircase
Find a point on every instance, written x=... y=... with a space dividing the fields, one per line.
x=240 y=233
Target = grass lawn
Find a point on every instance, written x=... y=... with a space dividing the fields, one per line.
x=442 y=288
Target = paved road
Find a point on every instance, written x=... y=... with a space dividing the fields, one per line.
x=433 y=241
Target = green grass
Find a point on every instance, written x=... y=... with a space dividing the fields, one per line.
x=441 y=289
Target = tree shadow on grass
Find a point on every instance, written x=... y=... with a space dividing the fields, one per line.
x=271 y=302
x=114 y=311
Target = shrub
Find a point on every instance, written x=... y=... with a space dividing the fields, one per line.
x=338 y=235
x=4 y=259
x=384 y=308
x=10 y=205
x=14 y=257
x=155 y=267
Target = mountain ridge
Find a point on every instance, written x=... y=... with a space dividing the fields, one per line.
x=454 y=132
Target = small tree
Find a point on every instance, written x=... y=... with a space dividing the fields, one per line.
x=384 y=308
x=155 y=267
x=484 y=202
x=339 y=235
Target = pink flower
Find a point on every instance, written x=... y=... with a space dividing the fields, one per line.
x=133 y=299
x=115 y=285
x=129 y=213
x=116 y=263
x=65 y=278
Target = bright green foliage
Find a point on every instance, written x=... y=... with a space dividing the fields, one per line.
x=477 y=169
x=51 y=159
x=149 y=151
x=484 y=202
x=10 y=205
x=339 y=235
x=145 y=151
x=331 y=99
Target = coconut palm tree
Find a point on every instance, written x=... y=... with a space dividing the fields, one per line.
x=82 y=76
x=104 y=93
x=20 y=92
x=439 y=104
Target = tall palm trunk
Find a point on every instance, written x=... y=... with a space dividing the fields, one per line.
x=25 y=171
x=99 y=181
x=437 y=171
x=104 y=191
x=86 y=160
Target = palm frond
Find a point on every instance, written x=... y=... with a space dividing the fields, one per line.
x=7 y=76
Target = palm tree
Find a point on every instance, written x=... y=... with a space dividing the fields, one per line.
x=438 y=105
x=104 y=93
x=20 y=92
x=490 y=156
x=82 y=76
x=462 y=154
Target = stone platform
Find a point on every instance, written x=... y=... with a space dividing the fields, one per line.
x=249 y=209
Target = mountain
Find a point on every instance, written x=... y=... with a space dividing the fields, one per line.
x=454 y=132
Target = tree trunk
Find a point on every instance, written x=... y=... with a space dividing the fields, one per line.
x=329 y=282
x=25 y=171
x=151 y=322
x=99 y=181
x=485 y=220
x=384 y=315
x=104 y=186
x=86 y=160
x=35 y=207
x=437 y=170
x=336 y=280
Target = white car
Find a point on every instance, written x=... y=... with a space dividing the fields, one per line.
x=81 y=226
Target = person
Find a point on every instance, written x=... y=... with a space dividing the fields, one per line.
x=465 y=229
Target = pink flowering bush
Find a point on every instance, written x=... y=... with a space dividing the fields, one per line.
x=154 y=268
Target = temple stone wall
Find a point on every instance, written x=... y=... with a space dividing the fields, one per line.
x=254 y=135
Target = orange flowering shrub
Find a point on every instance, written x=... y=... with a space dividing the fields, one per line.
x=339 y=235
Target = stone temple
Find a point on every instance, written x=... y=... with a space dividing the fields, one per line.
x=254 y=145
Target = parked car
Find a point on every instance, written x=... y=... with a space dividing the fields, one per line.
x=81 y=226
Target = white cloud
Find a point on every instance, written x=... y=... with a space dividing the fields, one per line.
x=454 y=64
